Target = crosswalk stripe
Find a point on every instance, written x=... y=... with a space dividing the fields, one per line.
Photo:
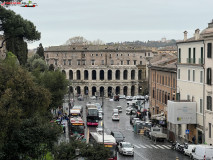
x=154 y=146
x=169 y=146
x=166 y=147
x=160 y=146
x=142 y=146
x=136 y=146
x=148 y=146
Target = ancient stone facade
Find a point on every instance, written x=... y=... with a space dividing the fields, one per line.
x=94 y=70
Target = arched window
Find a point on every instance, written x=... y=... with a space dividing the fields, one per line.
x=86 y=75
x=132 y=90
x=101 y=91
x=109 y=74
x=125 y=74
x=93 y=74
x=86 y=90
x=78 y=75
x=101 y=74
x=125 y=90
x=209 y=76
x=117 y=75
x=117 y=90
x=70 y=75
x=94 y=91
x=78 y=88
x=132 y=74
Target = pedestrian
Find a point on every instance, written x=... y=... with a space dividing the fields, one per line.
x=64 y=128
x=193 y=140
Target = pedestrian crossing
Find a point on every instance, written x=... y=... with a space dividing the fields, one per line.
x=152 y=146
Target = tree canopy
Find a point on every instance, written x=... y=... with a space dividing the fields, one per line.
x=16 y=31
x=40 y=51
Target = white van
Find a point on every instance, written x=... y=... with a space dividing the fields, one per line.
x=188 y=150
x=203 y=152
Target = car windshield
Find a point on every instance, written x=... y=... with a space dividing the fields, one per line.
x=127 y=145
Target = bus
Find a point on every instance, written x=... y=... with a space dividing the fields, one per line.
x=92 y=115
x=75 y=112
x=76 y=126
x=109 y=142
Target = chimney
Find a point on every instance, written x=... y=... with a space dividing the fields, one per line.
x=185 y=35
x=210 y=25
x=197 y=34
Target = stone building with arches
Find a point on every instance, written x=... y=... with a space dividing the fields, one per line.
x=93 y=70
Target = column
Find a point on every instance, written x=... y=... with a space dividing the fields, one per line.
x=82 y=74
x=113 y=74
x=136 y=74
x=90 y=74
x=97 y=75
x=129 y=74
x=121 y=74
x=74 y=75
x=129 y=90
x=105 y=75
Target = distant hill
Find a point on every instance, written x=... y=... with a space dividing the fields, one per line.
x=156 y=44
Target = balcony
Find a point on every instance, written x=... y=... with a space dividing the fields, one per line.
x=201 y=60
x=191 y=60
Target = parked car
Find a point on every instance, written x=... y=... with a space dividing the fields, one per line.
x=188 y=150
x=129 y=98
x=115 y=110
x=93 y=98
x=116 y=98
x=115 y=117
x=126 y=148
x=118 y=136
x=202 y=152
x=122 y=96
x=128 y=110
x=119 y=108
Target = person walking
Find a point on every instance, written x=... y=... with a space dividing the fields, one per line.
x=193 y=139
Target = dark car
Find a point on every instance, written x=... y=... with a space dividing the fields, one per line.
x=116 y=98
x=118 y=136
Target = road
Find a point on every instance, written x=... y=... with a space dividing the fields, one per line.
x=144 y=148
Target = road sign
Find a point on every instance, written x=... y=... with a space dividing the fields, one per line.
x=187 y=131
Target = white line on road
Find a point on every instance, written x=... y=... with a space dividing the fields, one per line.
x=154 y=146
x=142 y=146
x=148 y=146
x=166 y=147
x=136 y=146
x=160 y=146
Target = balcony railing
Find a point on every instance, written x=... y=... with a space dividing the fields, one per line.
x=201 y=60
x=191 y=60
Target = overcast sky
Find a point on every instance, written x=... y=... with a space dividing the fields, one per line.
x=116 y=20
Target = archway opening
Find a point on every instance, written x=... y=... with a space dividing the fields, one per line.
x=78 y=88
x=93 y=74
x=109 y=92
x=101 y=74
x=94 y=91
x=101 y=91
x=86 y=90
x=78 y=75
x=70 y=75
x=125 y=74
x=132 y=90
x=132 y=74
x=109 y=74
x=86 y=75
x=140 y=75
x=125 y=90
x=117 y=75
x=117 y=90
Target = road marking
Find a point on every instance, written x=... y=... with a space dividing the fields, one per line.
x=137 y=146
x=160 y=146
x=148 y=146
x=166 y=147
x=155 y=146
x=142 y=146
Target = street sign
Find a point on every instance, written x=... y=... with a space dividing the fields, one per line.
x=187 y=131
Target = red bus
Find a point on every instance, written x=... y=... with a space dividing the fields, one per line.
x=92 y=115
x=77 y=126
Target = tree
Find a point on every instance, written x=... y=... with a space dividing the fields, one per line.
x=40 y=51
x=77 y=41
x=20 y=99
x=97 y=42
x=36 y=63
x=56 y=83
x=66 y=151
x=16 y=31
